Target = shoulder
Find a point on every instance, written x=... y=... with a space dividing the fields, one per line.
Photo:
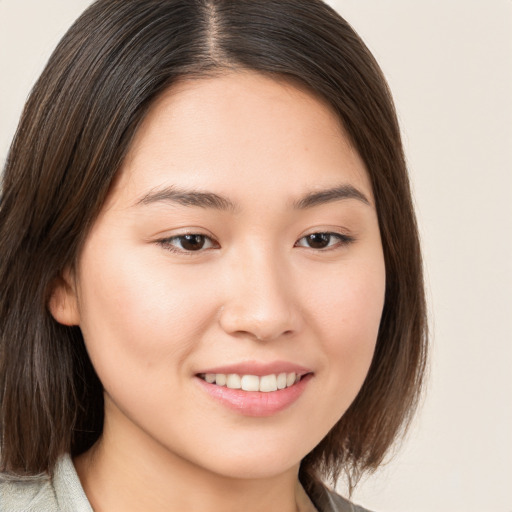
x=339 y=504
x=30 y=494
x=62 y=493
x=326 y=500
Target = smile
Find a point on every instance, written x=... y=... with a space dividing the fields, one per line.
x=255 y=395
x=264 y=383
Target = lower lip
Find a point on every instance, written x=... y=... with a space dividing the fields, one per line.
x=256 y=403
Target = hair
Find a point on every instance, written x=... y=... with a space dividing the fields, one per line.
x=74 y=133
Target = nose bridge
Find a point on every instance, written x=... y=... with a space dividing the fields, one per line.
x=260 y=300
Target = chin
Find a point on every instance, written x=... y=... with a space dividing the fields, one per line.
x=245 y=468
x=263 y=461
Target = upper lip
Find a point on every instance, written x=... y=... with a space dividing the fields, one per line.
x=258 y=368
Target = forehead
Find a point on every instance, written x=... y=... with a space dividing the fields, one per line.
x=237 y=129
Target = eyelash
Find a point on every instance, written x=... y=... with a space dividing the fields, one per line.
x=343 y=240
x=167 y=243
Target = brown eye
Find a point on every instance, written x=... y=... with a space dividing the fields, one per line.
x=318 y=240
x=324 y=240
x=191 y=242
x=188 y=243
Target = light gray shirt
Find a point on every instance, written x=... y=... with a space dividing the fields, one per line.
x=64 y=493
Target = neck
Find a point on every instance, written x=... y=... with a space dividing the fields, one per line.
x=128 y=472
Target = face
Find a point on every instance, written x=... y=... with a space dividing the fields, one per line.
x=239 y=246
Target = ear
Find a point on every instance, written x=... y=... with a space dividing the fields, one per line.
x=63 y=302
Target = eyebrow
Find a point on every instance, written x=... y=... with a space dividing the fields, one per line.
x=185 y=197
x=210 y=200
x=330 y=195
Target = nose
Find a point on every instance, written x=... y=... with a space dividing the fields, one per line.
x=260 y=301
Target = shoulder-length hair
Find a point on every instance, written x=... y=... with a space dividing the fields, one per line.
x=76 y=129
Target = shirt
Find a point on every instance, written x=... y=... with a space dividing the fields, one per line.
x=64 y=493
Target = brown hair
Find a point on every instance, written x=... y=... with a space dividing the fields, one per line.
x=73 y=135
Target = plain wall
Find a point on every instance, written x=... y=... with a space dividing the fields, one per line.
x=449 y=65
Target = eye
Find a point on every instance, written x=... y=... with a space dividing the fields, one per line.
x=190 y=242
x=323 y=240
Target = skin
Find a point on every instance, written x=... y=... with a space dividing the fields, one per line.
x=152 y=318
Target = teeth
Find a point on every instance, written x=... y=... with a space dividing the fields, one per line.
x=250 y=383
x=233 y=381
x=268 y=383
x=265 y=384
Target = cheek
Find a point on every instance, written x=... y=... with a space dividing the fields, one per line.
x=137 y=316
x=348 y=303
x=347 y=312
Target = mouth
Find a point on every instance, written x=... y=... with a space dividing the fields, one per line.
x=255 y=395
x=264 y=383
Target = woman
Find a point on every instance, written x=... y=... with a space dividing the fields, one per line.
x=211 y=289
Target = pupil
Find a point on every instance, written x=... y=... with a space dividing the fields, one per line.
x=192 y=242
x=318 y=240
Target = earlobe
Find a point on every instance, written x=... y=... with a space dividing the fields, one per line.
x=63 y=303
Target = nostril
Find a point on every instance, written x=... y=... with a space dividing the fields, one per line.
x=269 y=336
x=262 y=319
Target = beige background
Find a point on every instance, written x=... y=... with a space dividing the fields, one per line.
x=449 y=64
